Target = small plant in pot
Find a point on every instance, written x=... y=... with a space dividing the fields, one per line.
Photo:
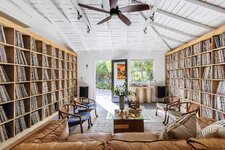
x=121 y=91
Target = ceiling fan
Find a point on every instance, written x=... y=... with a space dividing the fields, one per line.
x=115 y=10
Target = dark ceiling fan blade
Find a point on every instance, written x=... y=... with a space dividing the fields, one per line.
x=134 y=8
x=124 y=19
x=104 y=20
x=113 y=3
x=93 y=8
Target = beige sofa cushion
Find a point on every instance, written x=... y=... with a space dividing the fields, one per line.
x=211 y=130
x=183 y=128
x=153 y=145
x=132 y=137
x=90 y=137
x=207 y=144
x=91 y=145
x=55 y=131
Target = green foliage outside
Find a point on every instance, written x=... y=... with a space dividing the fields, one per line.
x=142 y=71
x=103 y=75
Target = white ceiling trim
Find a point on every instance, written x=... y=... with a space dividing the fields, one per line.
x=208 y=6
x=184 y=19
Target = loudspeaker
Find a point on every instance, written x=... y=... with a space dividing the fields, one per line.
x=161 y=91
x=84 y=91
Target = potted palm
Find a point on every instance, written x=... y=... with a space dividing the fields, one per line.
x=121 y=91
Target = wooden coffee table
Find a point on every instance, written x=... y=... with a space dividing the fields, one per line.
x=128 y=122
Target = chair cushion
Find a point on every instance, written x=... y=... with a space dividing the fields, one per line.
x=73 y=120
x=183 y=128
x=211 y=130
x=91 y=107
x=161 y=105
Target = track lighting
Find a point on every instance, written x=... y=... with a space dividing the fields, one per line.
x=88 y=29
x=79 y=15
x=145 y=30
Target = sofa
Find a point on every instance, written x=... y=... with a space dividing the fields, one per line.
x=55 y=136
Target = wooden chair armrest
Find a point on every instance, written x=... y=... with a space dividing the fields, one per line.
x=190 y=112
x=69 y=114
x=172 y=104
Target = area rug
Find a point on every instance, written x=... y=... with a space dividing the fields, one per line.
x=103 y=125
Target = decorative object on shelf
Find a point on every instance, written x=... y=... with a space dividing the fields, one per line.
x=133 y=104
x=121 y=91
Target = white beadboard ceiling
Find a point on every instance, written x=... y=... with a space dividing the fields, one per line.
x=175 y=22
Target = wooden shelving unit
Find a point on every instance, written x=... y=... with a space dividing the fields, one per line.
x=191 y=73
x=47 y=71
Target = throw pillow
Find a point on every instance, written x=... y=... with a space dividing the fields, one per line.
x=182 y=128
x=211 y=130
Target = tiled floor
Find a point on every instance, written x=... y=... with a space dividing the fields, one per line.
x=101 y=124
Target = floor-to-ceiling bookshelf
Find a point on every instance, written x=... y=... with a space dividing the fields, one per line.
x=37 y=76
x=196 y=72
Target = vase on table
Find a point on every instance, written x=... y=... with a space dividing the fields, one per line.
x=121 y=102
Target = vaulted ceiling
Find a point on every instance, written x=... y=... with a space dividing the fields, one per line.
x=175 y=22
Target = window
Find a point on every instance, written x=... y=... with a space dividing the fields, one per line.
x=142 y=71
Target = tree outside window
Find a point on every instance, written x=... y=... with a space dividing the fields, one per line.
x=142 y=71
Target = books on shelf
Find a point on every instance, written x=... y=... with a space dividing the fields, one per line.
x=181 y=54
x=45 y=77
x=219 y=103
x=195 y=73
x=34 y=74
x=221 y=88
x=34 y=88
x=46 y=111
x=195 y=96
x=20 y=57
x=53 y=51
x=187 y=62
x=196 y=61
x=60 y=54
x=207 y=73
x=206 y=59
x=207 y=112
x=181 y=73
x=53 y=85
x=196 y=49
x=219 y=40
x=33 y=45
x=53 y=63
x=188 y=84
x=187 y=73
x=20 y=108
x=219 y=56
x=20 y=125
x=65 y=65
x=3 y=116
x=34 y=103
x=176 y=83
x=45 y=61
x=3 y=134
x=34 y=60
x=44 y=48
x=60 y=95
x=54 y=97
x=207 y=99
x=65 y=56
x=4 y=96
x=187 y=52
x=53 y=108
x=219 y=72
x=196 y=84
x=19 y=39
x=3 y=75
x=181 y=64
x=60 y=64
x=45 y=87
x=60 y=84
x=188 y=94
x=20 y=74
x=44 y=100
x=53 y=74
x=3 y=57
x=181 y=83
x=65 y=74
x=206 y=45
x=220 y=116
x=20 y=91
x=2 y=35
x=35 y=117
x=206 y=86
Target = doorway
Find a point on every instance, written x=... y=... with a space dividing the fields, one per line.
x=103 y=80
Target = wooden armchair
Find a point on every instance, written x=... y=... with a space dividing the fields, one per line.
x=183 y=109
x=69 y=112
x=165 y=106
x=90 y=103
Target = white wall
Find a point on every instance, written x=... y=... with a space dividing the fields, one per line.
x=87 y=75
